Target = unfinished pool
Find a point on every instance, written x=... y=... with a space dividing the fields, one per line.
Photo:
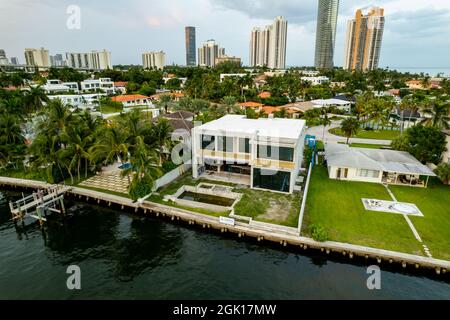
x=206 y=198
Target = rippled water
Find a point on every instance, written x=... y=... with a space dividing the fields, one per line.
x=122 y=256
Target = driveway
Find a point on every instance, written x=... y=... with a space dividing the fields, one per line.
x=318 y=132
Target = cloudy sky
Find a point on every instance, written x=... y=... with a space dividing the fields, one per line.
x=417 y=32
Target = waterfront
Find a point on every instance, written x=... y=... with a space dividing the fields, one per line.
x=124 y=256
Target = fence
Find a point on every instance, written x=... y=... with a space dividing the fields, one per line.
x=305 y=195
x=172 y=175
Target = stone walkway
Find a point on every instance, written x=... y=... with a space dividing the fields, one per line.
x=111 y=181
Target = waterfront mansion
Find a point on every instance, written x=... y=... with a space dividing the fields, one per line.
x=263 y=153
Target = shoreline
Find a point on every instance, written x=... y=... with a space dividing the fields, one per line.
x=276 y=236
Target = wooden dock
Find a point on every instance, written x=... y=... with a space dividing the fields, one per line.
x=241 y=229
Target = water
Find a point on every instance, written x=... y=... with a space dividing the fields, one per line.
x=122 y=256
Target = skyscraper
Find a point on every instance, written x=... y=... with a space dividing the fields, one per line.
x=191 y=59
x=3 y=58
x=37 y=57
x=326 y=33
x=268 y=46
x=208 y=53
x=99 y=60
x=363 y=41
x=152 y=60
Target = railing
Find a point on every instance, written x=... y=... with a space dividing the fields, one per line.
x=274 y=164
x=226 y=155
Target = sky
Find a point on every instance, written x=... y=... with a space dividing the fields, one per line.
x=416 y=32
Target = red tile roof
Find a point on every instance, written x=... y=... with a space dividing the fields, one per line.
x=121 y=83
x=251 y=104
x=128 y=97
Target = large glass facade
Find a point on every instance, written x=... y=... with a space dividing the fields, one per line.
x=272 y=180
x=276 y=153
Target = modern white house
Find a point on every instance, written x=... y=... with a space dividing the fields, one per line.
x=316 y=80
x=55 y=86
x=103 y=84
x=337 y=103
x=79 y=100
x=263 y=153
x=375 y=165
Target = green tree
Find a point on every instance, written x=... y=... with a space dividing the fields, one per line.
x=164 y=101
x=426 y=143
x=229 y=102
x=437 y=115
x=443 y=172
x=350 y=127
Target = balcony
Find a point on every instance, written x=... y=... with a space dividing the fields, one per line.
x=226 y=155
x=274 y=164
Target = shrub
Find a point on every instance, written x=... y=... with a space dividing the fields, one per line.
x=318 y=232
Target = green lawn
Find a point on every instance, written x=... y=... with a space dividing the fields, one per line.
x=110 y=109
x=265 y=206
x=434 y=227
x=370 y=134
x=366 y=145
x=337 y=206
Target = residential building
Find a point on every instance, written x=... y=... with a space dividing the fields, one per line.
x=446 y=155
x=327 y=16
x=95 y=60
x=79 y=100
x=121 y=86
x=268 y=46
x=54 y=86
x=191 y=58
x=316 y=80
x=103 y=84
x=37 y=57
x=154 y=60
x=263 y=153
x=208 y=53
x=225 y=58
x=14 y=60
x=363 y=41
x=375 y=165
x=336 y=103
x=137 y=101
x=57 y=60
x=3 y=59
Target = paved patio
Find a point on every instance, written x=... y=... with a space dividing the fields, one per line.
x=111 y=181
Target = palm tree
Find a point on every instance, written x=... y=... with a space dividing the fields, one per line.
x=10 y=131
x=165 y=100
x=350 y=127
x=34 y=99
x=438 y=112
x=229 y=102
x=161 y=134
x=324 y=121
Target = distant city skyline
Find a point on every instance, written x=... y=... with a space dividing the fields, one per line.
x=160 y=26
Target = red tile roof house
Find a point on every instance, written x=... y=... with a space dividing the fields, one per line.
x=121 y=86
x=136 y=101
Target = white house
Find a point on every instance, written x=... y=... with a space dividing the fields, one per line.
x=263 y=153
x=316 y=80
x=103 y=84
x=54 y=86
x=79 y=100
x=130 y=101
x=375 y=165
x=337 y=103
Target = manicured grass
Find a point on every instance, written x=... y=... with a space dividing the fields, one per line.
x=337 y=206
x=370 y=134
x=434 y=227
x=119 y=194
x=265 y=206
x=30 y=174
x=366 y=145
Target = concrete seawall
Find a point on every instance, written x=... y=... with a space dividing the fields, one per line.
x=241 y=229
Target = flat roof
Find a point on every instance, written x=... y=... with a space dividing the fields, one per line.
x=341 y=155
x=264 y=127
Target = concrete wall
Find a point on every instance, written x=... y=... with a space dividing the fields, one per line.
x=352 y=176
x=172 y=175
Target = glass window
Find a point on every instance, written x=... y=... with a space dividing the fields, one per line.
x=208 y=142
x=272 y=180
x=244 y=145
x=276 y=153
x=367 y=173
x=225 y=144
